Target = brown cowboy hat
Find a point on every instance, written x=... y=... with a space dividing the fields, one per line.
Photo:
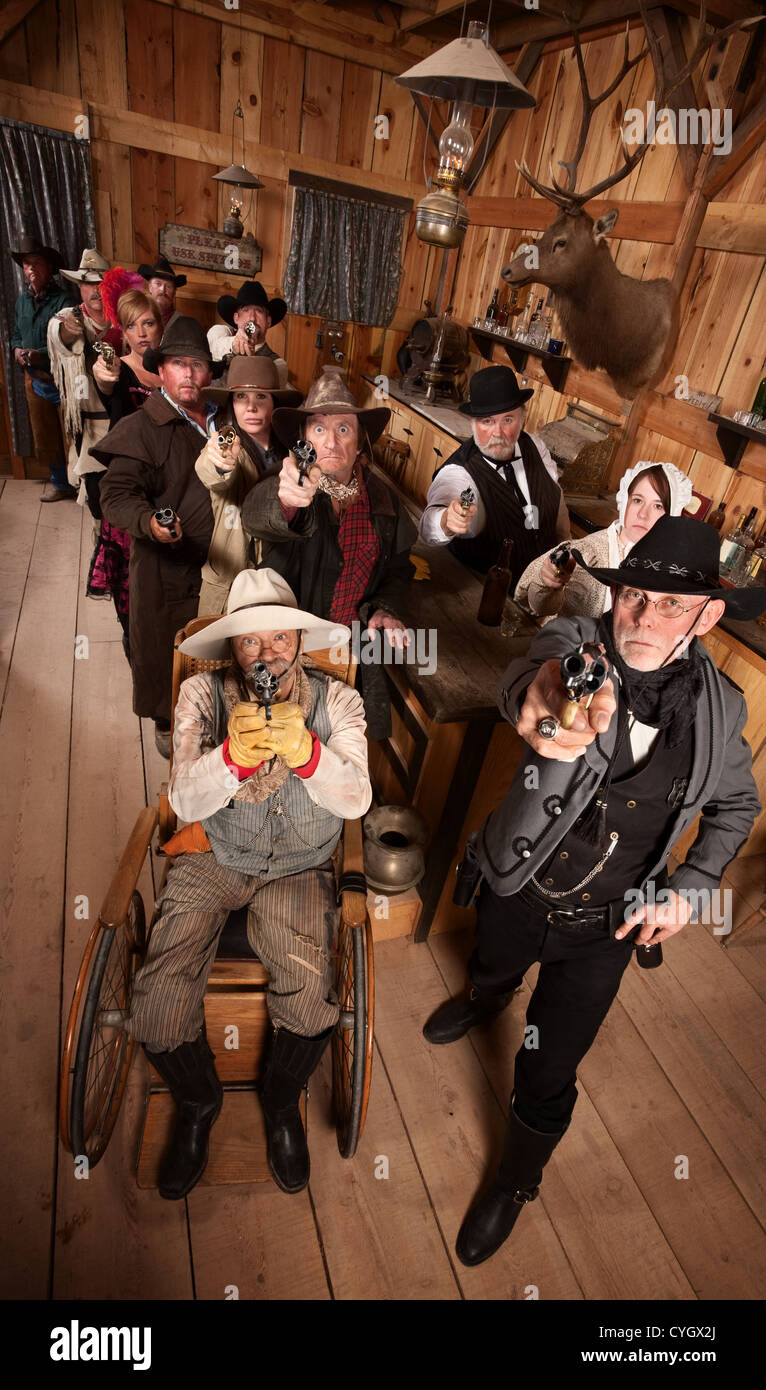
x=30 y=246
x=183 y=337
x=253 y=374
x=329 y=396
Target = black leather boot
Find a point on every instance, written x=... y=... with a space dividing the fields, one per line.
x=288 y=1063
x=453 y=1019
x=190 y=1073
x=491 y=1221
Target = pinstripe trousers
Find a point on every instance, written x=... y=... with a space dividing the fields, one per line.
x=291 y=923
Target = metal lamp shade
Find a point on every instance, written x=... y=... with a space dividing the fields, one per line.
x=238 y=175
x=467 y=70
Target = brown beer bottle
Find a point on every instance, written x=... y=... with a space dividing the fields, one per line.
x=496 y=587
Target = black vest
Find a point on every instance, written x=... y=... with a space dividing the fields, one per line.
x=641 y=806
x=505 y=510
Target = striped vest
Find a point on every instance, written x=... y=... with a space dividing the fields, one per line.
x=287 y=832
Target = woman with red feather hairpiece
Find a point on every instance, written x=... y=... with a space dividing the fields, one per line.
x=123 y=385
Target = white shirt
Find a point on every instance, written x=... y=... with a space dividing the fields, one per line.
x=453 y=479
x=219 y=341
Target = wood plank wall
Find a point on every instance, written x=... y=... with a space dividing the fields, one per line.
x=311 y=99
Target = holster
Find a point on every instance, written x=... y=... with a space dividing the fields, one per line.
x=469 y=878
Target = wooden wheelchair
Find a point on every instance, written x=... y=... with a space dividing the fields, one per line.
x=98 y=1051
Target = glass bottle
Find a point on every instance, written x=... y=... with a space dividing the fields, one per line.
x=502 y=314
x=491 y=313
x=738 y=570
x=759 y=404
x=757 y=568
x=717 y=517
x=537 y=325
x=496 y=586
x=732 y=544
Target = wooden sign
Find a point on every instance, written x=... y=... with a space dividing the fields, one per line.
x=210 y=250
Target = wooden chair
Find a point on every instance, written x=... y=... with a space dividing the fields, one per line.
x=98 y=1052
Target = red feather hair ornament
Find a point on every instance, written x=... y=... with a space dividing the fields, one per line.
x=115 y=283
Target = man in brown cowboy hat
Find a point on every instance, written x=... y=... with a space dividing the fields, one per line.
x=339 y=536
x=248 y=317
x=511 y=475
x=162 y=283
x=246 y=399
x=41 y=299
x=150 y=458
x=265 y=800
x=70 y=345
x=570 y=862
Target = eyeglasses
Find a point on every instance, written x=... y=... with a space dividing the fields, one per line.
x=634 y=600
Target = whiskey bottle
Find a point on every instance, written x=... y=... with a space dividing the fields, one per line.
x=717 y=517
x=759 y=404
x=732 y=544
x=492 y=307
x=502 y=314
x=738 y=571
x=496 y=587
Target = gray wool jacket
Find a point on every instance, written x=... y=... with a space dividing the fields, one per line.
x=519 y=837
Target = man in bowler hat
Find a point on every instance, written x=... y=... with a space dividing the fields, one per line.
x=511 y=475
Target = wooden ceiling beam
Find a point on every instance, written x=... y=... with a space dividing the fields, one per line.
x=512 y=33
x=746 y=138
x=14 y=13
x=414 y=16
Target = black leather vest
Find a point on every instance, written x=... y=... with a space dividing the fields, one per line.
x=641 y=805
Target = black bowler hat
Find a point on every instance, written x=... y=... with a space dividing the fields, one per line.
x=680 y=556
x=183 y=337
x=162 y=270
x=30 y=246
x=492 y=391
x=251 y=293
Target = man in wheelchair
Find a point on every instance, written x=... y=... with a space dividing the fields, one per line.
x=265 y=791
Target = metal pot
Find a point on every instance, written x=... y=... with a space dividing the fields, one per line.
x=394 y=837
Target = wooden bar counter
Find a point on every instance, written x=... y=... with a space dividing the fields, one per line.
x=450 y=754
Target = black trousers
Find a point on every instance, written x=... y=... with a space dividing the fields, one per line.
x=580 y=973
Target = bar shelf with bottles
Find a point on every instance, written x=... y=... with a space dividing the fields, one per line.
x=531 y=335
x=734 y=434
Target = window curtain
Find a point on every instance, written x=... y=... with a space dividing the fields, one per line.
x=344 y=260
x=46 y=192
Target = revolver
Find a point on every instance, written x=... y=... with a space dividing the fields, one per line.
x=105 y=351
x=305 y=456
x=166 y=517
x=251 y=328
x=265 y=684
x=581 y=679
x=226 y=438
x=467 y=498
x=561 y=557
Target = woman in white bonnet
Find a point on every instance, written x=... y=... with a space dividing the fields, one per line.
x=646 y=492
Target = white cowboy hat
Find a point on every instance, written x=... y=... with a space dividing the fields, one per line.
x=262 y=601
x=93 y=267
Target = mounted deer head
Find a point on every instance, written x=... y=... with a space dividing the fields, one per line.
x=611 y=320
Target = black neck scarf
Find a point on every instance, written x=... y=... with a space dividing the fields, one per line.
x=664 y=699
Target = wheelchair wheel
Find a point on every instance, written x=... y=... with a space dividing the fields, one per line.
x=97 y=1049
x=352 y=1039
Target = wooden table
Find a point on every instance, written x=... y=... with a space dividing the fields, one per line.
x=451 y=755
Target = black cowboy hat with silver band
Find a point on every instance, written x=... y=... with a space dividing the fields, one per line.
x=680 y=556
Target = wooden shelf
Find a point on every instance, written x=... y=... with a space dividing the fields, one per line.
x=556 y=368
x=734 y=438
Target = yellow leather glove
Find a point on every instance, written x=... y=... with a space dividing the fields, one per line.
x=286 y=735
x=246 y=724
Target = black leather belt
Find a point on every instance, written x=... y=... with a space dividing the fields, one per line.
x=569 y=918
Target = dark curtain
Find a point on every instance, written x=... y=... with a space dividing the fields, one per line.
x=45 y=182
x=344 y=258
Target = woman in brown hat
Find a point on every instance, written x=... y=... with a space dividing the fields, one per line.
x=247 y=399
x=339 y=537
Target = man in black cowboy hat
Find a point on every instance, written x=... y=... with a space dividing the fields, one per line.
x=162 y=283
x=511 y=475
x=248 y=317
x=42 y=297
x=572 y=859
x=150 y=458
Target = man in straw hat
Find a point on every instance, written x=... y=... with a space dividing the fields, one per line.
x=572 y=859
x=247 y=319
x=339 y=536
x=511 y=475
x=41 y=298
x=266 y=795
x=150 y=458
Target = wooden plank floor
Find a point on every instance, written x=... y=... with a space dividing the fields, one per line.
x=677 y=1070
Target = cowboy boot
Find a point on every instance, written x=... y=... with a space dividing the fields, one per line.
x=189 y=1071
x=288 y=1063
x=453 y=1019
x=491 y=1221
